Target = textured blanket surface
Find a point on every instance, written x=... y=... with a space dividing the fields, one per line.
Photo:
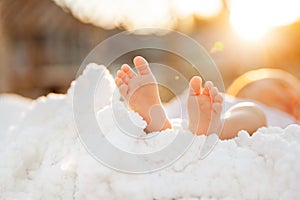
x=42 y=156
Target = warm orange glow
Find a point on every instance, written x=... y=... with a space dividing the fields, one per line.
x=252 y=19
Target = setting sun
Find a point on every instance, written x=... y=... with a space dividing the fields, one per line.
x=252 y=19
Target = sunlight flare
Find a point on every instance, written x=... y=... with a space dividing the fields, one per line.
x=252 y=19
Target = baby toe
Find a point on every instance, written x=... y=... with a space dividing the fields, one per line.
x=217 y=107
x=118 y=82
x=123 y=76
x=195 y=86
x=120 y=73
x=218 y=98
x=214 y=92
x=141 y=65
x=127 y=69
x=123 y=90
x=209 y=85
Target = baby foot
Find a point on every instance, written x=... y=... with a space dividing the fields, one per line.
x=141 y=92
x=204 y=107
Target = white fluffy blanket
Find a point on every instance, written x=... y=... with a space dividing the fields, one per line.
x=41 y=157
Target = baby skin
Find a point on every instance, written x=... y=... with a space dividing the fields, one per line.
x=204 y=107
x=204 y=104
x=140 y=91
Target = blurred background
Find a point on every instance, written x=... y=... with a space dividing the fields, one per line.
x=43 y=42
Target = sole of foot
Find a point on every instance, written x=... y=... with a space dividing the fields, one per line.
x=204 y=107
x=140 y=91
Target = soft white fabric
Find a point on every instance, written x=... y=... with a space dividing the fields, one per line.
x=41 y=157
x=12 y=107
